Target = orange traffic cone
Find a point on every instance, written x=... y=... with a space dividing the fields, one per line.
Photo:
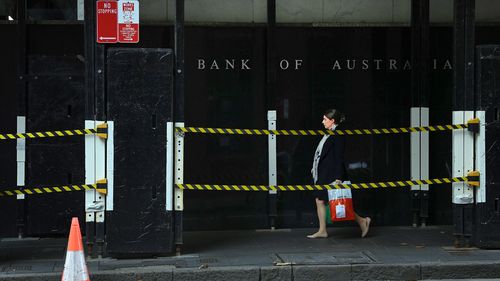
x=75 y=268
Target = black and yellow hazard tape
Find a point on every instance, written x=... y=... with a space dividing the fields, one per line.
x=470 y=180
x=101 y=131
x=227 y=131
x=100 y=186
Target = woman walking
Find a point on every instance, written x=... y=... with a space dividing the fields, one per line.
x=329 y=168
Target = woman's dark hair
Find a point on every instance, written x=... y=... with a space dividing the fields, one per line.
x=335 y=114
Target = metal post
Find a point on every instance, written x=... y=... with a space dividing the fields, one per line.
x=100 y=199
x=178 y=193
x=420 y=165
x=100 y=114
x=89 y=31
x=169 y=176
x=480 y=157
x=21 y=63
x=463 y=106
x=272 y=163
x=424 y=166
x=415 y=164
x=420 y=111
x=21 y=169
x=179 y=120
x=271 y=55
x=271 y=104
x=110 y=166
x=95 y=203
x=170 y=168
x=95 y=109
x=179 y=61
x=22 y=113
x=90 y=178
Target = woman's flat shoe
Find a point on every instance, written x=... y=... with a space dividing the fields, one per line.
x=316 y=235
x=367 y=227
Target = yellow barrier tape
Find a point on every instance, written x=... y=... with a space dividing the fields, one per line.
x=101 y=131
x=228 y=131
x=100 y=186
x=470 y=179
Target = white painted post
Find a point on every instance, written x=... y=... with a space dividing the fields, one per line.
x=170 y=167
x=424 y=147
x=272 y=162
x=110 y=166
x=463 y=158
x=480 y=161
x=90 y=170
x=21 y=155
x=179 y=168
x=415 y=147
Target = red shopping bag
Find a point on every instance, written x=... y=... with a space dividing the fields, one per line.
x=340 y=204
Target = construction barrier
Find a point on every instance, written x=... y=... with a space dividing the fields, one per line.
x=101 y=131
x=75 y=267
x=472 y=179
x=100 y=186
x=472 y=125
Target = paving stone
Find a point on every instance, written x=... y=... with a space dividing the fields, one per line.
x=321 y=273
x=32 y=277
x=150 y=273
x=217 y=274
x=27 y=267
x=453 y=270
x=326 y=258
x=276 y=273
x=385 y=272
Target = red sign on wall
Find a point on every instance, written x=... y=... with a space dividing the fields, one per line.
x=107 y=17
x=128 y=21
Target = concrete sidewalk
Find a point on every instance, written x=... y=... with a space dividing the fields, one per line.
x=388 y=253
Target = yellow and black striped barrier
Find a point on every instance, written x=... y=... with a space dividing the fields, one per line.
x=100 y=186
x=472 y=125
x=472 y=179
x=101 y=131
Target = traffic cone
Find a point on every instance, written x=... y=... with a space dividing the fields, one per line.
x=75 y=268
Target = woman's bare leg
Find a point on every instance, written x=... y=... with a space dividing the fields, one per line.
x=321 y=210
x=364 y=224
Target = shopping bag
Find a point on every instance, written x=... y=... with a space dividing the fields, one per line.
x=340 y=205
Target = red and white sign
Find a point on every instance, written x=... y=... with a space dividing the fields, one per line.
x=128 y=21
x=107 y=18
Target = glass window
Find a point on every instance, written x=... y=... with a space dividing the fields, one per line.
x=7 y=10
x=52 y=9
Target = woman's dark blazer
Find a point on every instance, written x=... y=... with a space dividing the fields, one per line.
x=331 y=165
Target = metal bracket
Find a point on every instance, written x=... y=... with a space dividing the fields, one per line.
x=473 y=125
x=473 y=178
x=179 y=134
x=102 y=186
x=102 y=130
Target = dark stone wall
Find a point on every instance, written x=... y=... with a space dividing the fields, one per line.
x=373 y=94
